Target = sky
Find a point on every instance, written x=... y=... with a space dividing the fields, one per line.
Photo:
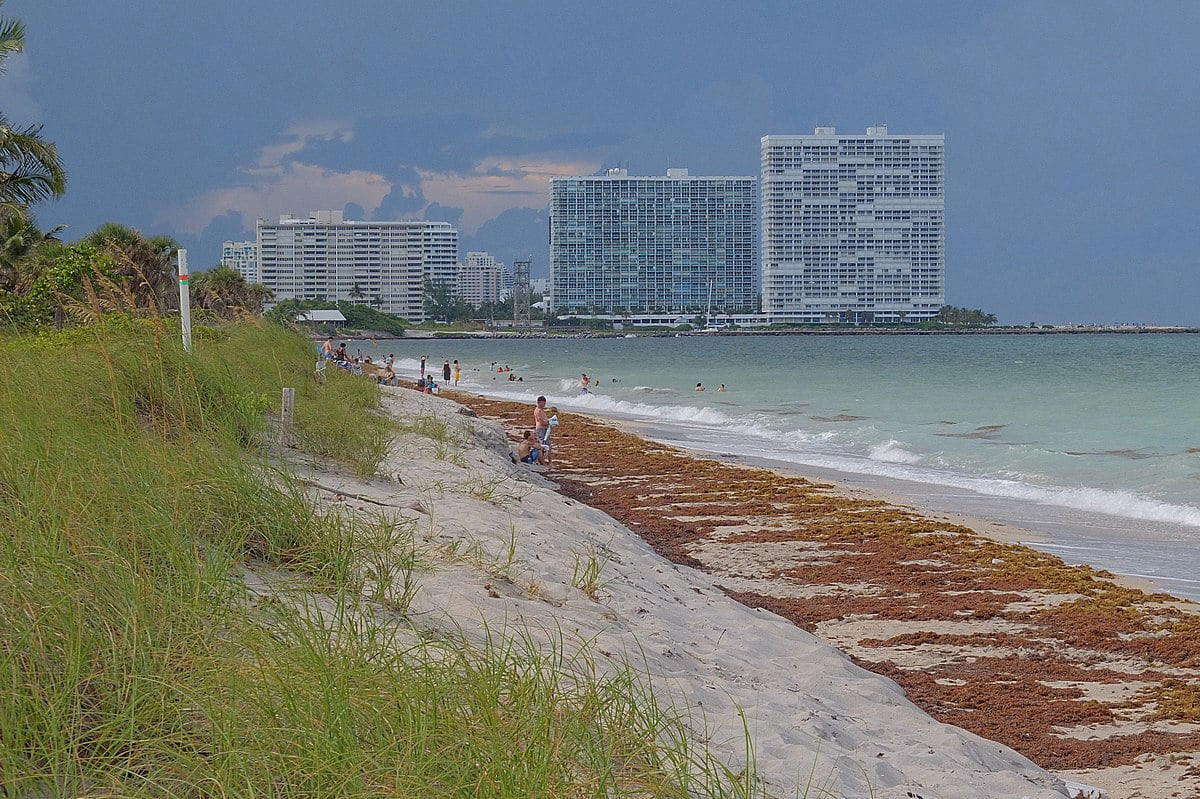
x=1072 y=128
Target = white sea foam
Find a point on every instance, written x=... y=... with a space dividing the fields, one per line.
x=1112 y=502
x=892 y=451
x=718 y=431
x=722 y=432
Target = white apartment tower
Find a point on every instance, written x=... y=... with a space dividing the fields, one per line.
x=853 y=227
x=480 y=279
x=243 y=257
x=382 y=264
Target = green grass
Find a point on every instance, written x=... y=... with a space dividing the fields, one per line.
x=136 y=489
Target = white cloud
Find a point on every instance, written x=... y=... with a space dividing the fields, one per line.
x=495 y=184
x=279 y=182
x=275 y=185
x=299 y=136
x=295 y=187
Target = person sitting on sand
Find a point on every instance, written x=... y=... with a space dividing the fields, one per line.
x=699 y=386
x=386 y=375
x=340 y=353
x=530 y=449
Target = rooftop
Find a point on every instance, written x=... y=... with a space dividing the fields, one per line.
x=674 y=173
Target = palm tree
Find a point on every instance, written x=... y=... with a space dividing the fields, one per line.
x=146 y=262
x=30 y=169
x=20 y=238
x=12 y=38
x=224 y=291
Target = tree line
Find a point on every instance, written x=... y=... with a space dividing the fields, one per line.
x=45 y=280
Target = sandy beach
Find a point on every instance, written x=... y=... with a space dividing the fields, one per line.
x=512 y=555
x=1092 y=677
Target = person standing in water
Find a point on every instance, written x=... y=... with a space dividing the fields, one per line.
x=423 y=359
x=584 y=382
x=446 y=372
x=457 y=372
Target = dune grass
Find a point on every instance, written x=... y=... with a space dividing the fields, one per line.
x=134 y=494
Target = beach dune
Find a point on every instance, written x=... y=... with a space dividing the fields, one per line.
x=563 y=573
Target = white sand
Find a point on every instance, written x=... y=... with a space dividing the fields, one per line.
x=809 y=709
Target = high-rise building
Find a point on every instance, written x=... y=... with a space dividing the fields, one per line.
x=673 y=243
x=382 y=264
x=480 y=279
x=242 y=256
x=853 y=227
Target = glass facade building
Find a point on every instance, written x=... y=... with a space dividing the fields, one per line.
x=382 y=264
x=853 y=227
x=661 y=244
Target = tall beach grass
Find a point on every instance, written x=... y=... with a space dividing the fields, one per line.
x=134 y=494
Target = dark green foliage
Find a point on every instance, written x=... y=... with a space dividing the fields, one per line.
x=358 y=317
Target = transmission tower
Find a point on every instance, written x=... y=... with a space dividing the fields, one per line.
x=521 y=317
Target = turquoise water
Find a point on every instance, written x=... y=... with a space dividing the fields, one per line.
x=1084 y=424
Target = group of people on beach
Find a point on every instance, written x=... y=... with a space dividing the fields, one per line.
x=359 y=364
x=450 y=372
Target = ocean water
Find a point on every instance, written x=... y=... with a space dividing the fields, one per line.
x=1091 y=442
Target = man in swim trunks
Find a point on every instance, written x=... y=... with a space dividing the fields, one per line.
x=541 y=427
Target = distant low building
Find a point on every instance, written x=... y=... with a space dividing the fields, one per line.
x=480 y=279
x=382 y=264
x=677 y=243
x=241 y=256
x=321 y=315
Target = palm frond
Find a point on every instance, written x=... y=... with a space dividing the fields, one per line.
x=30 y=169
x=12 y=39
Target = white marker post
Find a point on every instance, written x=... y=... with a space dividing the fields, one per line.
x=287 y=406
x=185 y=301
